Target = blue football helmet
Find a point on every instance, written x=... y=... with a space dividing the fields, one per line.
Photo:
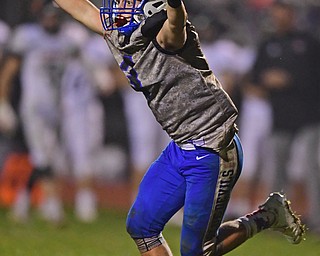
x=126 y=15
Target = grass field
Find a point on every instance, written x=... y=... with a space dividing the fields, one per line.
x=107 y=237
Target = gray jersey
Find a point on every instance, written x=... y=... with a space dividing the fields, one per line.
x=183 y=93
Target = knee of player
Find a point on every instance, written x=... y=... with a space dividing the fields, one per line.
x=144 y=239
x=134 y=224
x=129 y=224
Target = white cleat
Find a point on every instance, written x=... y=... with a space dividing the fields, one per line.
x=287 y=222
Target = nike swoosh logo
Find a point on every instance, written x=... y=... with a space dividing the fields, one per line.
x=201 y=157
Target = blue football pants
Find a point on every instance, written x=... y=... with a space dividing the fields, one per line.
x=199 y=180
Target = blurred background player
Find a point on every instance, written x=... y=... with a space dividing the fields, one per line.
x=81 y=134
x=48 y=57
x=40 y=52
x=5 y=33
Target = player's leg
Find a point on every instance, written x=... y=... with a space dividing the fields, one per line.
x=210 y=178
x=233 y=233
x=275 y=214
x=32 y=128
x=201 y=233
x=42 y=142
x=162 y=250
x=77 y=143
x=161 y=194
x=80 y=122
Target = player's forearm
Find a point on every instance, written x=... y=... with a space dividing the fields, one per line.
x=177 y=15
x=172 y=36
x=83 y=11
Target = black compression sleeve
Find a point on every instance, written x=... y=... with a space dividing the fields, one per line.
x=174 y=3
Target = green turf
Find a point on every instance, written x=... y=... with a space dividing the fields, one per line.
x=107 y=237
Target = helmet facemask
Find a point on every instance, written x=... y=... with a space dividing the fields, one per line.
x=126 y=15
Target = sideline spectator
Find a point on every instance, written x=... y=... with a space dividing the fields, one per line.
x=287 y=70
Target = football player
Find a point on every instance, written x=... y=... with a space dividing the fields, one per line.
x=57 y=96
x=158 y=49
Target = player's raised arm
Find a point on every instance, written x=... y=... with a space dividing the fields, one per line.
x=173 y=34
x=84 y=11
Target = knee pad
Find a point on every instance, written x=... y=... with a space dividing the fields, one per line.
x=147 y=244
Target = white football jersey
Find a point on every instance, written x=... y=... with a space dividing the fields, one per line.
x=43 y=60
